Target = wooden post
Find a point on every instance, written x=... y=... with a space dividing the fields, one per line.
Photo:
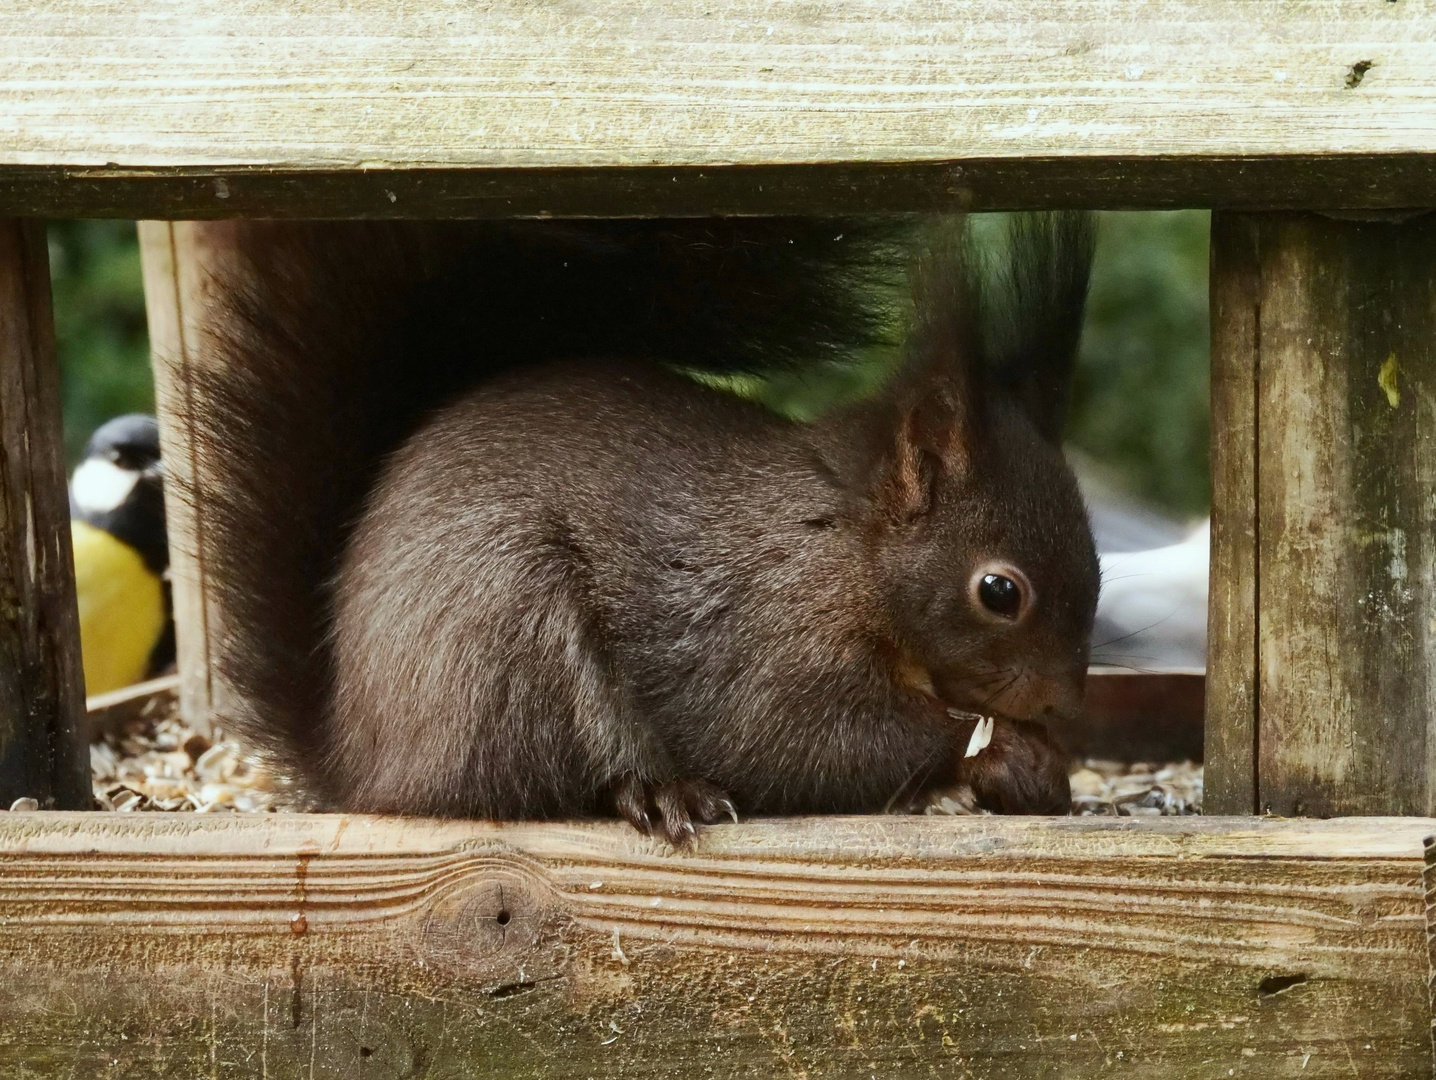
x=1428 y=888
x=176 y=257
x=42 y=700
x=1323 y=627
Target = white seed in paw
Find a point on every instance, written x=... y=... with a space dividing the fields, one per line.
x=981 y=737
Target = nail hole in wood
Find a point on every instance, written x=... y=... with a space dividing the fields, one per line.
x=1357 y=73
x=1278 y=984
x=508 y=990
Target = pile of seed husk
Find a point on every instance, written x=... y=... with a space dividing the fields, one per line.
x=1112 y=788
x=156 y=762
x=1115 y=789
x=160 y=763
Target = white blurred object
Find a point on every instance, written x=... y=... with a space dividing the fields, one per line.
x=1120 y=524
x=1152 y=615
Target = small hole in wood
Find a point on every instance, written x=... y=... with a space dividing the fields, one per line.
x=508 y=990
x=1277 y=984
x=503 y=918
x=365 y=1051
x=1357 y=73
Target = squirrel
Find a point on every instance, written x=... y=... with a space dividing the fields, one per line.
x=495 y=540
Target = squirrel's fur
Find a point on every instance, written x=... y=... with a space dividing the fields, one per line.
x=480 y=550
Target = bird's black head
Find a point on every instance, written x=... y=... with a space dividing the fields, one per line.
x=119 y=487
x=132 y=442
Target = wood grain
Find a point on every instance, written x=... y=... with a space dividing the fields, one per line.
x=147 y=700
x=178 y=261
x=336 y=946
x=1323 y=660
x=204 y=108
x=1230 y=780
x=42 y=697
x=1428 y=881
x=1347 y=480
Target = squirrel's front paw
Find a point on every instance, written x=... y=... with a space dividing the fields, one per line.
x=1020 y=770
x=670 y=809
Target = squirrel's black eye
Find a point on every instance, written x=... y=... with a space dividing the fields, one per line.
x=1000 y=595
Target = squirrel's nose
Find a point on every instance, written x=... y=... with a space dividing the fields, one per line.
x=1042 y=696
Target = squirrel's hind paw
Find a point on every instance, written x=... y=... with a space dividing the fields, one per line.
x=672 y=809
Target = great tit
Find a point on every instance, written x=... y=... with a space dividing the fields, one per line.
x=117 y=525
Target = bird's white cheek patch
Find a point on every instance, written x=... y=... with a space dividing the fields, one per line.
x=99 y=486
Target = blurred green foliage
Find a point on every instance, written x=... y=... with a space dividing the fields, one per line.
x=1139 y=399
x=100 y=330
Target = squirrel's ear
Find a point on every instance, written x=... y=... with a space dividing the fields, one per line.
x=932 y=438
x=932 y=425
x=934 y=398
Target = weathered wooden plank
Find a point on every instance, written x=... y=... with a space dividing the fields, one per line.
x=1230 y=781
x=174 y=945
x=1138 y=716
x=179 y=108
x=1428 y=881
x=1345 y=495
x=178 y=261
x=1127 y=182
x=1325 y=382
x=146 y=700
x=42 y=749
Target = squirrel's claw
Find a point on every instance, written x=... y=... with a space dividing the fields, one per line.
x=630 y=799
x=677 y=805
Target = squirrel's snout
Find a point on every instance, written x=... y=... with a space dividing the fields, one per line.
x=1036 y=695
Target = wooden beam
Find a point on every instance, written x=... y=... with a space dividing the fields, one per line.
x=1324 y=555
x=1428 y=882
x=335 y=946
x=42 y=749
x=143 y=701
x=201 y=108
x=1138 y=716
x=958 y=183
x=179 y=261
x=1229 y=781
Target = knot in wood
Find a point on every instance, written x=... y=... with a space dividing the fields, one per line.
x=494 y=929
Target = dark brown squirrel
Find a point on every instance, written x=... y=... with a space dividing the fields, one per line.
x=484 y=552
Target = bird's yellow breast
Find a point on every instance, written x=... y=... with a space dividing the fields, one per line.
x=122 y=609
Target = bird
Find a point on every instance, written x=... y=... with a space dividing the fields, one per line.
x=117 y=527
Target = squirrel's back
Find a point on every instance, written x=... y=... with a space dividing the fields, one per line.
x=545 y=575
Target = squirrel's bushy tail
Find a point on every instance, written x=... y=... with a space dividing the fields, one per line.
x=327 y=342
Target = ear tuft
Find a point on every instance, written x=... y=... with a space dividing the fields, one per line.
x=1032 y=313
